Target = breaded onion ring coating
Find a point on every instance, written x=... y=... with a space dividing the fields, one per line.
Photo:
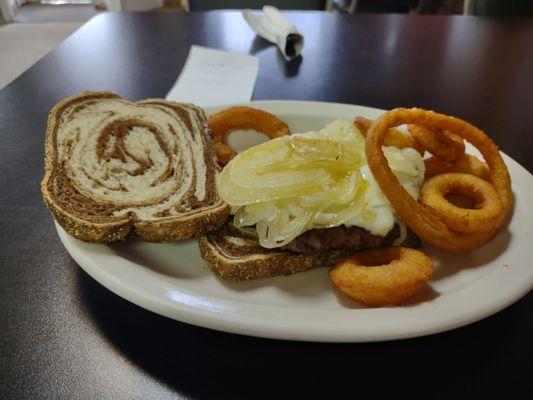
x=487 y=207
x=380 y=277
x=394 y=137
x=444 y=145
x=467 y=164
x=416 y=216
x=225 y=121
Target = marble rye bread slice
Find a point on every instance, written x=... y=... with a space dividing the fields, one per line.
x=113 y=167
x=235 y=255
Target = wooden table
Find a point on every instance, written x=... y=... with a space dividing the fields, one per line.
x=62 y=335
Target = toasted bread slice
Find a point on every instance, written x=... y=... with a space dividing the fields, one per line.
x=234 y=255
x=113 y=166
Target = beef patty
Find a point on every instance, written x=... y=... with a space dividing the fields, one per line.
x=342 y=237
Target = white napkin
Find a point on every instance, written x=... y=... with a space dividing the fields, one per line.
x=212 y=77
x=274 y=27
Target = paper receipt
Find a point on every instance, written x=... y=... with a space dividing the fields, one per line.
x=213 y=77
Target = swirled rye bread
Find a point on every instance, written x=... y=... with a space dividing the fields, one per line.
x=235 y=253
x=113 y=166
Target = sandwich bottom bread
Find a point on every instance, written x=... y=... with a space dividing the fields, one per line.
x=235 y=254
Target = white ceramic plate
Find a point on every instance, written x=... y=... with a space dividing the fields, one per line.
x=172 y=279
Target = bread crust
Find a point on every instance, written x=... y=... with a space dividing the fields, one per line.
x=164 y=230
x=168 y=231
x=264 y=264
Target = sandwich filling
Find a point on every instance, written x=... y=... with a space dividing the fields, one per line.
x=314 y=181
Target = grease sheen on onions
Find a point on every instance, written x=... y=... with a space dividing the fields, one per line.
x=313 y=180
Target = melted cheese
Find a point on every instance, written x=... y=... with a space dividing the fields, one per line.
x=312 y=180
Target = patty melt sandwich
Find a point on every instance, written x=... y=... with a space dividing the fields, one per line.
x=305 y=200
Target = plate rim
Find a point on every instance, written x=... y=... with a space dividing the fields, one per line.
x=204 y=317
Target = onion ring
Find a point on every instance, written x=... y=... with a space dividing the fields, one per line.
x=384 y=276
x=394 y=137
x=486 y=209
x=225 y=121
x=417 y=217
x=467 y=164
x=444 y=145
